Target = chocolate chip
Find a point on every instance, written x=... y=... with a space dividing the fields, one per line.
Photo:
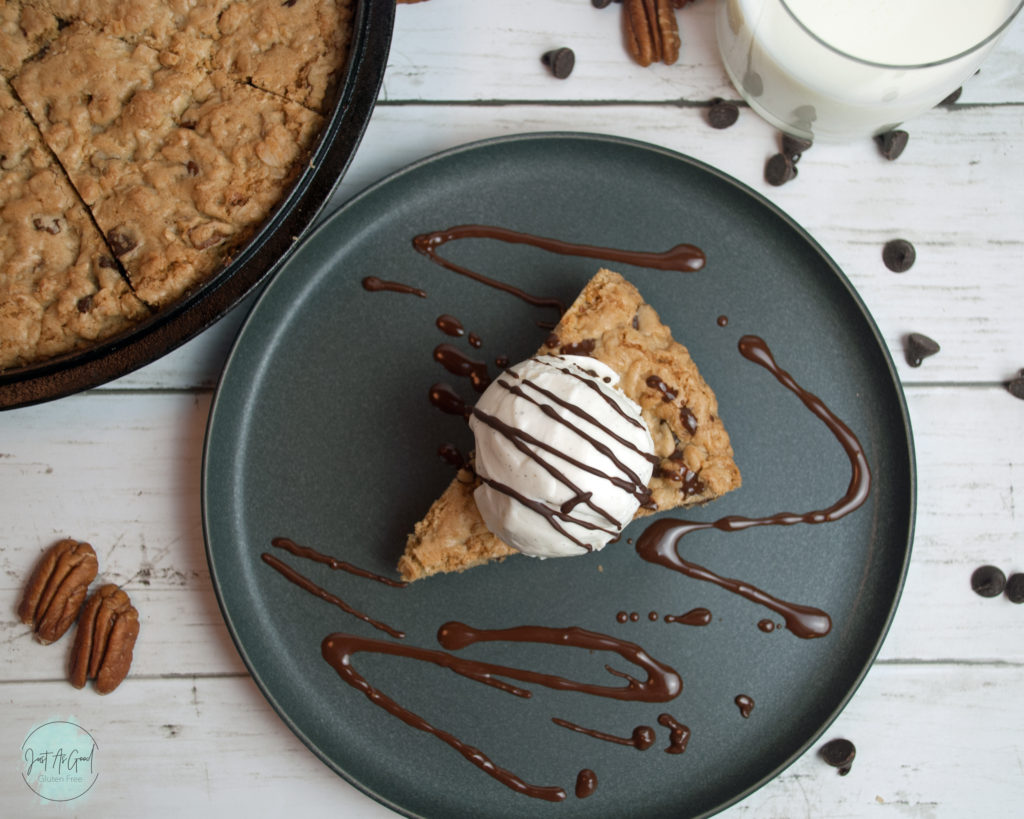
x=892 y=143
x=53 y=228
x=106 y=261
x=120 y=242
x=753 y=84
x=1016 y=385
x=779 y=170
x=1015 y=588
x=551 y=341
x=988 y=581
x=192 y=168
x=839 y=753
x=899 y=255
x=794 y=147
x=84 y=304
x=723 y=113
x=953 y=97
x=561 y=62
x=919 y=347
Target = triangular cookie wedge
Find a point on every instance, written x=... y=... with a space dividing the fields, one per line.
x=611 y=322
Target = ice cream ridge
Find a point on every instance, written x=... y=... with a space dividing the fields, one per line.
x=563 y=457
x=610 y=421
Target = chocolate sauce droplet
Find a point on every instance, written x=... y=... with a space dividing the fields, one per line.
x=374 y=285
x=723 y=321
x=745 y=704
x=586 y=783
x=694 y=617
x=458 y=363
x=444 y=397
x=766 y=625
x=450 y=326
x=679 y=734
x=451 y=454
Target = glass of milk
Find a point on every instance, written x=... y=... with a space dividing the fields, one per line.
x=835 y=69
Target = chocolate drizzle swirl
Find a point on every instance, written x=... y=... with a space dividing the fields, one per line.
x=684 y=258
x=375 y=285
x=659 y=543
x=662 y=684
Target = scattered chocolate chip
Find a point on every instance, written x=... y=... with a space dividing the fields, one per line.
x=551 y=341
x=723 y=113
x=919 y=347
x=839 y=753
x=899 y=255
x=289 y=3
x=192 y=168
x=794 y=147
x=988 y=581
x=1016 y=385
x=892 y=143
x=753 y=84
x=106 y=261
x=120 y=242
x=1015 y=588
x=561 y=62
x=779 y=169
x=953 y=97
x=84 y=304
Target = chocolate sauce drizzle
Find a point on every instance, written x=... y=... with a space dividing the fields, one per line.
x=659 y=543
x=306 y=584
x=642 y=738
x=684 y=258
x=694 y=617
x=662 y=683
x=375 y=285
x=341 y=565
x=444 y=397
x=458 y=363
x=679 y=734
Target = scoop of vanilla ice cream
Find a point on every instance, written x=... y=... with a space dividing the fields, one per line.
x=564 y=457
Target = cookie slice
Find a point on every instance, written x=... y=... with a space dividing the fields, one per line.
x=611 y=322
x=59 y=287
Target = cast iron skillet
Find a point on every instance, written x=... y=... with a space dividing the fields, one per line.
x=257 y=258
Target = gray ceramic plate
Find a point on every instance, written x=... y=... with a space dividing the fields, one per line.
x=322 y=431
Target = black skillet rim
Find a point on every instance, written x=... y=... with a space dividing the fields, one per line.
x=258 y=258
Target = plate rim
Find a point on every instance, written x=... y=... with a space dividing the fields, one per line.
x=635 y=144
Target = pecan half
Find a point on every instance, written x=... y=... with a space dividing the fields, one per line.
x=57 y=588
x=105 y=640
x=651 y=31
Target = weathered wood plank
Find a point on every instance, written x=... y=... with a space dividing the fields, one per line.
x=205 y=746
x=468 y=50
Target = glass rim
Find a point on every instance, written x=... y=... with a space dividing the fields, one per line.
x=906 y=66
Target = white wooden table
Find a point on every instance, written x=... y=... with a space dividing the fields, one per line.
x=939 y=722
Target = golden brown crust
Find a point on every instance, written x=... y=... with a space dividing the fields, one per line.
x=180 y=126
x=611 y=322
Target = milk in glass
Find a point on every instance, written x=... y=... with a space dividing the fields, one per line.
x=838 y=68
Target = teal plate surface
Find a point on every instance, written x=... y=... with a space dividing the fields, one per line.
x=322 y=431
